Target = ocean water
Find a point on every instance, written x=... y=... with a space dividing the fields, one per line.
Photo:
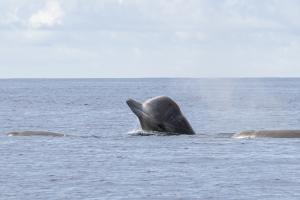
x=106 y=160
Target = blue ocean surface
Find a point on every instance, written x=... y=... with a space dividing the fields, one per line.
x=106 y=160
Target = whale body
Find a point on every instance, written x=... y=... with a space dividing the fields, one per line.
x=35 y=133
x=268 y=133
x=161 y=114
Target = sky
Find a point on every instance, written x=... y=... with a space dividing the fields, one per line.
x=149 y=38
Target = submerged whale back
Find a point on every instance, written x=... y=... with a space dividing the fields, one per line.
x=269 y=133
x=34 y=133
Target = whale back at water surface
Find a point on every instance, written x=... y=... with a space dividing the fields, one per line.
x=35 y=133
x=268 y=134
x=240 y=135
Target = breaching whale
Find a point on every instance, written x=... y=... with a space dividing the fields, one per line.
x=161 y=114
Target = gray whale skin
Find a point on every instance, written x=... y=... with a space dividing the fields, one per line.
x=35 y=133
x=161 y=114
x=268 y=133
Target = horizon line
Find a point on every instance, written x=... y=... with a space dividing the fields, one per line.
x=204 y=77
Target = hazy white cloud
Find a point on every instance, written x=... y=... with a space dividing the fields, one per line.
x=51 y=14
x=150 y=37
x=10 y=17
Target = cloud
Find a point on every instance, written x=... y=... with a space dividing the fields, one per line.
x=50 y=15
x=152 y=37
